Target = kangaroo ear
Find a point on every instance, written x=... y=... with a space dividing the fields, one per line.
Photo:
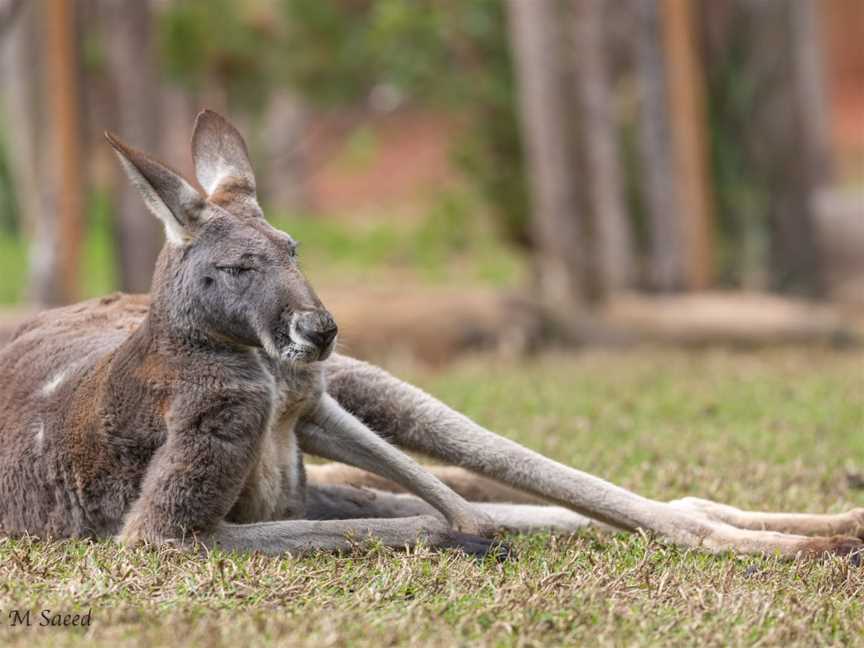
x=175 y=202
x=220 y=156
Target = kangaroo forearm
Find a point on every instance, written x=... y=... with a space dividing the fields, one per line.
x=334 y=433
x=321 y=442
x=194 y=479
x=181 y=497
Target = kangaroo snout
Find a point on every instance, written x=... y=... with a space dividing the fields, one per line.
x=316 y=328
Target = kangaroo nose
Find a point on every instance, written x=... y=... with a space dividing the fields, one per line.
x=319 y=328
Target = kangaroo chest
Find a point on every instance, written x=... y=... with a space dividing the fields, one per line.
x=275 y=488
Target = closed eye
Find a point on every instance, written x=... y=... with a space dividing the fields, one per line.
x=234 y=271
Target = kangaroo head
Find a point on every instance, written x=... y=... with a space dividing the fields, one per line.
x=225 y=274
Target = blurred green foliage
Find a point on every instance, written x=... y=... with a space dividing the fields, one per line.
x=97 y=271
x=445 y=246
x=454 y=55
x=13 y=268
x=228 y=44
x=450 y=54
x=448 y=245
x=8 y=223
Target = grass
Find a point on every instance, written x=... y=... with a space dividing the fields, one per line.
x=98 y=275
x=769 y=430
x=446 y=246
x=450 y=243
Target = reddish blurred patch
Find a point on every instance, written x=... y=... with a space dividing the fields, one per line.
x=362 y=164
x=843 y=32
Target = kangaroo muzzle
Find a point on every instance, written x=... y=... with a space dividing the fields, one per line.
x=316 y=329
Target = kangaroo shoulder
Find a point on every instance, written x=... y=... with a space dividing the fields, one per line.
x=234 y=391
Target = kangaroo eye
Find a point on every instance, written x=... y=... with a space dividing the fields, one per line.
x=234 y=271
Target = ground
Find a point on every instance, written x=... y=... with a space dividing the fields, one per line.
x=777 y=430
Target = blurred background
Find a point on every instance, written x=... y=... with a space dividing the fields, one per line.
x=464 y=174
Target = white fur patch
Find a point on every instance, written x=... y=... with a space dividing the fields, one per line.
x=51 y=386
x=40 y=434
x=271 y=385
x=267 y=343
x=175 y=233
x=290 y=457
x=211 y=174
x=296 y=336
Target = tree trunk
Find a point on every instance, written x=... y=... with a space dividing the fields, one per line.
x=667 y=259
x=790 y=156
x=28 y=150
x=9 y=10
x=776 y=109
x=801 y=157
x=45 y=133
x=62 y=67
x=556 y=224
x=810 y=84
x=686 y=88
x=612 y=240
x=285 y=187
x=179 y=107
x=134 y=79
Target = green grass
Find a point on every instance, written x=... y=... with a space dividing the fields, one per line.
x=447 y=245
x=450 y=243
x=774 y=430
x=98 y=274
x=13 y=269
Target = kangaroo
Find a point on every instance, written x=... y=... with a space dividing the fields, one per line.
x=184 y=416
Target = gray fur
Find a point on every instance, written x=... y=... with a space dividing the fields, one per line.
x=166 y=420
x=184 y=414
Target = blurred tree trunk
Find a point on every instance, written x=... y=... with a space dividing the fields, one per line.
x=132 y=62
x=766 y=59
x=612 y=248
x=667 y=259
x=557 y=228
x=9 y=10
x=687 y=115
x=63 y=61
x=45 y=133
x=179 y=107
x=285 y=186
x=788 y=141
x=28 y=151
x=810 y=84
x=799 y=155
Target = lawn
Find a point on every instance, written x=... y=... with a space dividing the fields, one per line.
x=779 y=429
x=447 y=244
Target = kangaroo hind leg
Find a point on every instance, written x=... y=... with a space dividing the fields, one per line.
x=417 y=421
x=850 y=523
x=347 y=502
x=473 y=487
